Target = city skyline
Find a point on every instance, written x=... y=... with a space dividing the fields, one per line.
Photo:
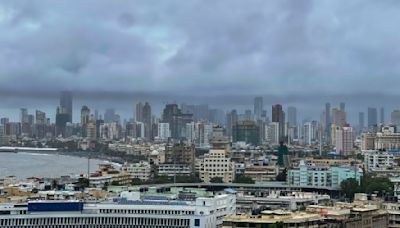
x=127 y=111
x=292 y=54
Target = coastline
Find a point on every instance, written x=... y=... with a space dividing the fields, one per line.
x=41 y=160
x=80 y=154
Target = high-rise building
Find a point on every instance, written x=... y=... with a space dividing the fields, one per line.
x=382 y=115
x=272 y=133
x=62 y=118
x=4 y=120
x=231 y=119
x=310 y=132
x=190 y=132
x=395 y=117
x=199 y=112
x=372 y=118
x=41 y=122
x=91 y=132
x=146 y=119
x=278 y=116
x=292 y=116
x=345 y=141
x=66 y=104
x=203 y=133
x=327 y=123
x=177 y=120
x=24 y=115
x=40 y=117
x=258 y=107
x=130 y=129
x=139 y=112
x=361 y=121
x=338 y=117
x=26 y=122
x=163 y=131
x=246 y=131
x=85 y=115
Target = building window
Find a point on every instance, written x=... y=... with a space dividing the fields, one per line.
x=197 y=222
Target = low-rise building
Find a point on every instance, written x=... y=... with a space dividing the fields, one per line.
x=270 y=218
x=322 y=176
x=274 y=200
x=378 y=160
x=217 y=164
x=140 y=170
x=261 y=173
x=130 y=209
x=174 y=169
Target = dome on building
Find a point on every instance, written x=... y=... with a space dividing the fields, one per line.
x=154 y=153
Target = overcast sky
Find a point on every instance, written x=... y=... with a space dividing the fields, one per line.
x=225 y=52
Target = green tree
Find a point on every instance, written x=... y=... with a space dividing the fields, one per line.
x=278 y=225
x=83 y=182
x=137 y=181
x=282 y=175
x=349 y=187
x=372 y=184
x=216 y=180
x=244 y=180
x=160 y=180
x=187 y=179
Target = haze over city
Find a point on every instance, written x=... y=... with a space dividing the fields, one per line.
x=114 y=54
x=199 y=113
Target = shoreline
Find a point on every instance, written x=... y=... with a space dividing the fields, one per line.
x=80 y=154
x=77 y=155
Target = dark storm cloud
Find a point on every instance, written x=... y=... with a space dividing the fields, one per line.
x=209 y=51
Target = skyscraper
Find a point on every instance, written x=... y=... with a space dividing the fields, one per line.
x=310 y=132
x=327 y=124
x=176 y=119
x=372 y=118
x=231 y=119
x=24 y=115
x=85 y=115
x=278 y=116
x=345 y=141
x=292 y=116
x=139 y=112
x=246 y=131
x=146 y=119
x=258 y=107
x=66 y=104
x=338 y=117
x=40 y=117
x=62 y=118
x=382 y=115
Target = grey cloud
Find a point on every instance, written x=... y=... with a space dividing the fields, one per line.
x=231 y=49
